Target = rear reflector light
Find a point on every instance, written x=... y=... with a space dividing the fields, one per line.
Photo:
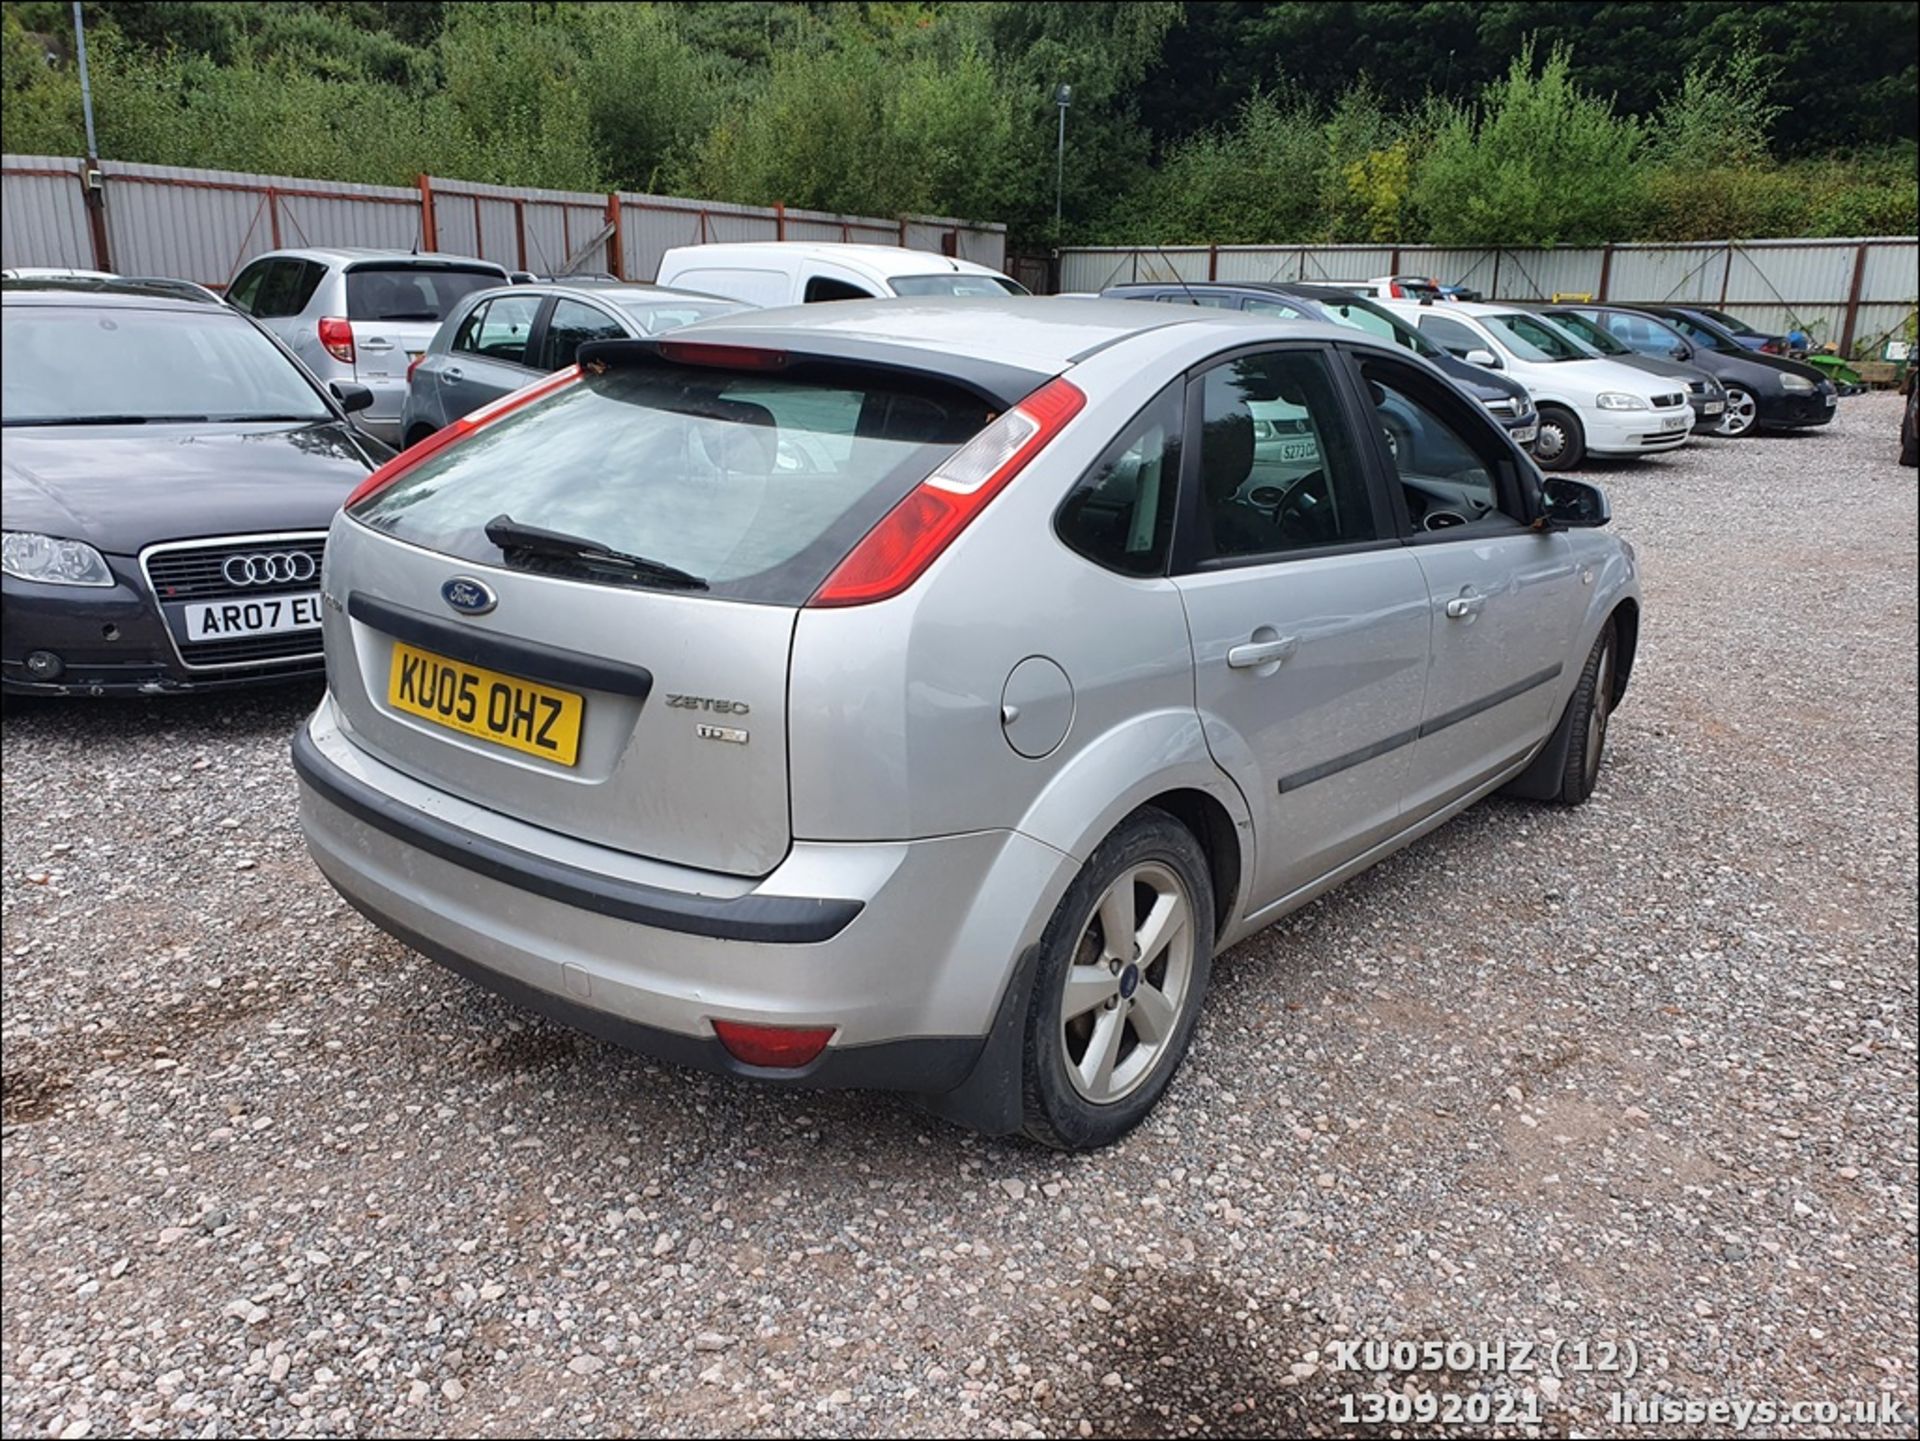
x=785 y=1047
x=894 y=554
x=336 y=335
x=407 y=459
x=726 y=357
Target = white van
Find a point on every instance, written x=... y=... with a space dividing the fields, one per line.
x=793 y=272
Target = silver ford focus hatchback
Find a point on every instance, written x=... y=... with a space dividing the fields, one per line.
x=919 y=694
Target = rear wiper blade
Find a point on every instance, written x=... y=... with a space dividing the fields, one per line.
x=108 y=420
x=510 y=535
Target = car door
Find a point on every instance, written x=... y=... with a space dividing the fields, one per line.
x=1505 y=598
x=1307 y=614
x=569 y=325
x=488 y=355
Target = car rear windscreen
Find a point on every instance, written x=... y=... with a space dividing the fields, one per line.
x=953 y=283
x=411 y=292
x=66 y=364
x=757 y=484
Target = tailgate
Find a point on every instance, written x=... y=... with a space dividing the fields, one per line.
x=383 y=349
x=648 y=721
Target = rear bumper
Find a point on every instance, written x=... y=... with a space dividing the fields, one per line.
x=904 y=948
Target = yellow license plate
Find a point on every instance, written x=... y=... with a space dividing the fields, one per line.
x=504 y=709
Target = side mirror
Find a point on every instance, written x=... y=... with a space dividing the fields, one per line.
x=352 y=397
x=1574 y=504
x=1681 y=352
x=1482 y=357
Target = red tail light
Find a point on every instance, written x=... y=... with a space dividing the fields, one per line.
x=336 y=335
x=413 y=365
x=908 y=539
x=407 y=459
x=785 y=1047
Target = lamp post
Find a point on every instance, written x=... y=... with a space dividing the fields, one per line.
x=86 y=89
x=1062 y=97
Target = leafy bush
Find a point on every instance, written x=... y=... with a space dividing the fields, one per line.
x=1540 y=163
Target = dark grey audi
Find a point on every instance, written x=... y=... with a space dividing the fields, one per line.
x=170 y=472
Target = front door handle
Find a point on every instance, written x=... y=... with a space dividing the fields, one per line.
x=452 y=372
x=1257 y=653
x=1465 y=606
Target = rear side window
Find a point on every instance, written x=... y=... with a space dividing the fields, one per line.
x=498 y=329
x=1279 y=472
x=1120 y=515
x=757 y=484
x=284 y=288
x=245 y=290
x=411 y=292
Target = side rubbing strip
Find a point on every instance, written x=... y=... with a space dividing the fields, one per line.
x=1426 y=728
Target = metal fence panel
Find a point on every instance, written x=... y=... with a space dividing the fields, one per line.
x=1892 y=272
x=1797 y=274
x=43 y=213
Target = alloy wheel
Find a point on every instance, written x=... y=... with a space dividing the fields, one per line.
x=1740 y=413
x=1127 y=986
x=1599 y=711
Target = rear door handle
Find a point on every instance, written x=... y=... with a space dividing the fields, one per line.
x=1461 y=607
x=1256 y=653
x=452 y=372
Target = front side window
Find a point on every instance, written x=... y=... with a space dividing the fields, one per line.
x=1451 y=336
x=1587 y=333
x=1364 y=318
x=1120 y=515
x=64 y=364
x=571 y=326
x=1701 y=336
x=1279 y=472
x=1531 y=338
x=1445 y=456
x=498 y=328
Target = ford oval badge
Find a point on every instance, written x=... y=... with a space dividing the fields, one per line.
x=469 y=596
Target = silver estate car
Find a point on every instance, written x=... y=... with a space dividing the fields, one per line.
x=918 y=694
x=359 y=316
x=493 y=342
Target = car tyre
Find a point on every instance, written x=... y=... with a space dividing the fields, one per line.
x=1110 y=1021
x=1562 y=441
x=1587 y=715
x=1742 y=415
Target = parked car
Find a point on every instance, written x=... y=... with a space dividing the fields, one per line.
x=53 y=272
x=829 y=701
x=1910 y=422
x=791 y=272
x=1764 y=392
x=1704 y=394
x=1506 y=399
x=1588 y=405
x=495 y=341
x=1393 y=287
x=1744 y=334
x=170 y=472
x=359 y=315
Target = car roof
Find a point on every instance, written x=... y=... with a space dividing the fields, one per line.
x=359 y=254
x=1031 y=332
x=620 y=292
x=124 y=293
x=883 y=260
x=1205 y=287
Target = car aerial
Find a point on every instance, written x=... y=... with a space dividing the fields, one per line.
x=1507 y=400
x=794 y=272
x=1764 y=392
x=1588 y=405
x=1704 y=394
x=918 y=694
x=361 y=316
x=495 y=341
x=170 y=471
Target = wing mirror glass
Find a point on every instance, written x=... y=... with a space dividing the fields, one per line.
x=1574 y=504
x=1682 y=352
x=1481 y=356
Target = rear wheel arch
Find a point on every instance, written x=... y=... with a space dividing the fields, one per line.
x=1626 y=638
x=1212 y=826
x=415 y=436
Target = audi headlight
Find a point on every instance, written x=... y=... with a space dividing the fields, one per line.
x=1620 y=400
x=52 y=561
x=1797 y=385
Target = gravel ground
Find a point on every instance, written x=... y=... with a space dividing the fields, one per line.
x=1642 y=1074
